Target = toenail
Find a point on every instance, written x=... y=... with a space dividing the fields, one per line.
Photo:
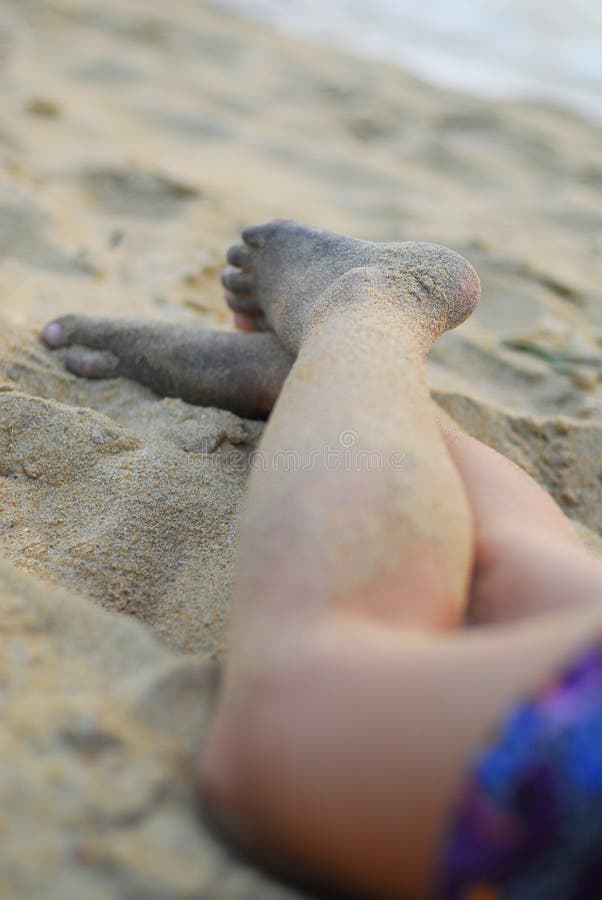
x=54 y=335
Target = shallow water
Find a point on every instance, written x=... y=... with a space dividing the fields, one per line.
x=539 y=49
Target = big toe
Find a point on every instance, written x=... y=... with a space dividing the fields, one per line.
x=54 y=334
x=66 y=330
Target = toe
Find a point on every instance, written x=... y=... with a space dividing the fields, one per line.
x=236 y=281
x=92 y=363
x=69 y=330
x=63 y=332
x=53 y=334
x=256 y=236
x=243 y=303
x=245 y=322
x=239 y=256
x=255 y=321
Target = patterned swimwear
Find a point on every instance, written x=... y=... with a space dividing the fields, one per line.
x=529 y=822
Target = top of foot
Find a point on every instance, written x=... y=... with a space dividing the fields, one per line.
x=285 y=274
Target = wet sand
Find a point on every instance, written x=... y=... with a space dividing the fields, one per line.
x=135 y=141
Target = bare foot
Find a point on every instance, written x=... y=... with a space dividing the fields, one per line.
x=285 y=277
x=282 y=278
x=242 y=373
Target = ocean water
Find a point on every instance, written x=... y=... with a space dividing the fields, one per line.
x=549 y=50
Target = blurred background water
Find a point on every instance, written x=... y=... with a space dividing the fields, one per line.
x=547 y=50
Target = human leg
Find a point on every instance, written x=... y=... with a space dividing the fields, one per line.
x=243 y=373
x=350 y=710
x=388 y=546
x=361 y=334
x=528 y=559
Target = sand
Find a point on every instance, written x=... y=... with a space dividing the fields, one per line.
x=136 y=138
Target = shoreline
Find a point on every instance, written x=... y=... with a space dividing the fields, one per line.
x=434 y=58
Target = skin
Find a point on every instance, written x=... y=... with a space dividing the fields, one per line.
x=242 y=373
x=353 y=703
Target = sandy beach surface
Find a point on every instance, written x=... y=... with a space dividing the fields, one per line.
x=136 y=138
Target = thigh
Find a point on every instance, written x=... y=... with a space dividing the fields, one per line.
x=522 y=572
x=345 y=760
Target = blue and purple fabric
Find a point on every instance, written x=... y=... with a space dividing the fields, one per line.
x=529 y=822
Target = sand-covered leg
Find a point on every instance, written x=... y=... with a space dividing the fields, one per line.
x=388 y=501
x=279 y=277
x=355 y=518
x=367 y=512
x=242 y=373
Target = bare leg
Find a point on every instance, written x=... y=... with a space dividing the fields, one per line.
x=418 y=529
x=388 y=543
x=528 y=559
x=340 y=765
x=345 y=725
x=210 y=368
x=517 y=526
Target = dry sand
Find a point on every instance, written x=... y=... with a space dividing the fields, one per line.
x=136 y=137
